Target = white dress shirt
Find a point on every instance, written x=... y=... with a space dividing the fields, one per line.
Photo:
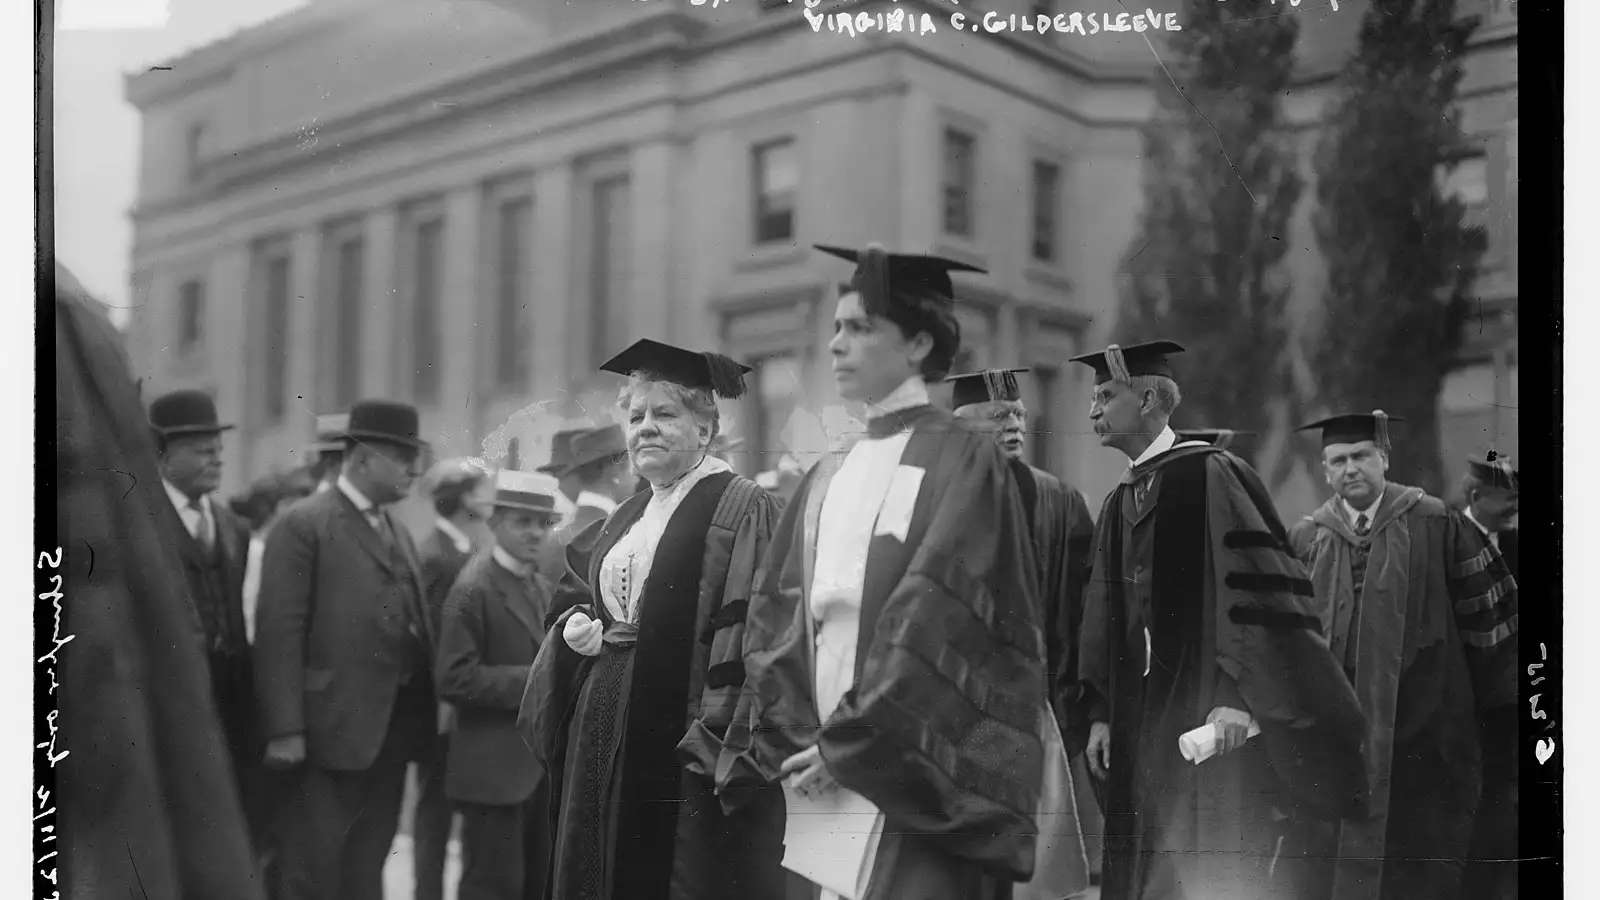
x=201 y=524
x=1493 y=536
x=1351 y=514
x=844 y=530
x=627 y=565
x=456 y=535
x=364 y=506
x=1163 y=442
x=600 y=501
x=511 y=563
x=252 y=583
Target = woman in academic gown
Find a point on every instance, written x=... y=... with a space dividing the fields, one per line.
x=611 y=697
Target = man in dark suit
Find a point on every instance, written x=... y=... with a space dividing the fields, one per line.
x=342 y=656
x=560 y=468
x=599 y=466
x=492 y=627
x=214 y=546
x=462 y=500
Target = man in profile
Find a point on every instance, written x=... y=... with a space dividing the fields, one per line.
x=1198 y=619
x=343 y=659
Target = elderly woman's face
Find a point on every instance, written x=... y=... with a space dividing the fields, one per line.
x=664 y=437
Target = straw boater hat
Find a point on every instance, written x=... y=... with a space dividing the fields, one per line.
x=330 y=432
x=532 y=491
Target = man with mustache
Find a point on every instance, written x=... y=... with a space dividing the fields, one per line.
x=1063 y=541
x=1198 y=619
x=1421 y=612
x=894 y=655
x=214 y=546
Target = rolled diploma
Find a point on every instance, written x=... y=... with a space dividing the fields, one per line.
x=1199 y=745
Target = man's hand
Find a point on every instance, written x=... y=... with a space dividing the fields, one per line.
x=808 y=773
x=1098 y=751
x=1233 y=728
x=286 y=752
x=583 y=634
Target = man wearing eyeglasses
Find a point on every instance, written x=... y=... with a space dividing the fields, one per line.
x=343 y=659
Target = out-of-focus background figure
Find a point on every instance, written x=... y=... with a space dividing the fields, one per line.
x=148 y=801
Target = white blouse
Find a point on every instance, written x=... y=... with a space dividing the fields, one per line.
x=627 y=565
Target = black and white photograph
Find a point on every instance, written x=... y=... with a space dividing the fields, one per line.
x=798 y=450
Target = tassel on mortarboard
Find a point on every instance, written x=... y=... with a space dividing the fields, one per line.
x=1117 y=364
x=727 y=376
x=872 y=279
x=1380 y=421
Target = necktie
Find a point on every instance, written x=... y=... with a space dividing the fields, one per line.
x=1363 y=527
x=381 y=525
x=202 y=528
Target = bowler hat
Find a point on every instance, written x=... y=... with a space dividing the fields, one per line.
x=561 y=453
x=385 y=420
x=185 y=412
x=597 y=444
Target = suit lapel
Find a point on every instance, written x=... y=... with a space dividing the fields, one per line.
x=514 y=595
x=365 y=535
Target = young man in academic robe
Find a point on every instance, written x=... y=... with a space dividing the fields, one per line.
x=1063 y=541
x=652 y=656
x=1422 y=614
x=343 y=659
x=895 y=655
x=463 y=492
x=492 y=627
x=1197 y=615
x=213 y=546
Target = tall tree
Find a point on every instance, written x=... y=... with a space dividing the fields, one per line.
x=1220 y=185
x=1401 y=258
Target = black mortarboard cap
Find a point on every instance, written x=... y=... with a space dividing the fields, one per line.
x=985 y=386
x=686 y=367
x=1353 y=428
x=882 y=277
x=1493 y=470
x=1221 y=438
x=1119 y=363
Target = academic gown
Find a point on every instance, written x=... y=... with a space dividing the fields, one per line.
x=1063 y=539
x=941 y=729
x=1190 y=548
x=634 y=823
x=1432 y=639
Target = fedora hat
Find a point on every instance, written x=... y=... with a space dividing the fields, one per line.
x=330 y=432
x=185 y=412
x=561 y=453
x=596 y=444
x=385 y=420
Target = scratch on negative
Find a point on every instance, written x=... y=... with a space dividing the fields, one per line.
x=143 y=892
x=1222 y=149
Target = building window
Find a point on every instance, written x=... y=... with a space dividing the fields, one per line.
x=340 y=371
x=191 y=315
x=1046 y=203
x=779 y=389
x=194 y=147
x=1041 y=404
x=275 y=336
x=775 y=177
x=513 y=225
x=514 y=454
x=610 y=263
x=960 y=150
x=427 y=259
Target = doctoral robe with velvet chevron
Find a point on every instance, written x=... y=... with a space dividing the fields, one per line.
x=941 y=728
x=1195 y=603
x=632 y=821
x=1430 y=643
